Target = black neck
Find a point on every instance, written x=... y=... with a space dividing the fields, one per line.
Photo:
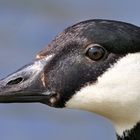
x=133 y=134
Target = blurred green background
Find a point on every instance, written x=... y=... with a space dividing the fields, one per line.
x=27 y=26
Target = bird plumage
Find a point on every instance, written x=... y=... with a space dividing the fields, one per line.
x=93 y=65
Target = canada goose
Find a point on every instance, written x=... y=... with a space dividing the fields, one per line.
x=93 y=65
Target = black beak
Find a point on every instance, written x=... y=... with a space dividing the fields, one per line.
x=25 y=85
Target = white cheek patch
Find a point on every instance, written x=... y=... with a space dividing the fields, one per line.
x=116 y=95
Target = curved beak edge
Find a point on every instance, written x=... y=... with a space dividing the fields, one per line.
x=25 y=85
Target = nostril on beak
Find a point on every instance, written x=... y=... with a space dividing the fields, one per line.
x=15 y=81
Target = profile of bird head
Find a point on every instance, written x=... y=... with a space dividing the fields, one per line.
x=93 y=65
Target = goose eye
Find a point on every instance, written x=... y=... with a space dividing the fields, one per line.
x=95 y=52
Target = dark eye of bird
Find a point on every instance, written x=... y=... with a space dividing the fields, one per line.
x=95 y=52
